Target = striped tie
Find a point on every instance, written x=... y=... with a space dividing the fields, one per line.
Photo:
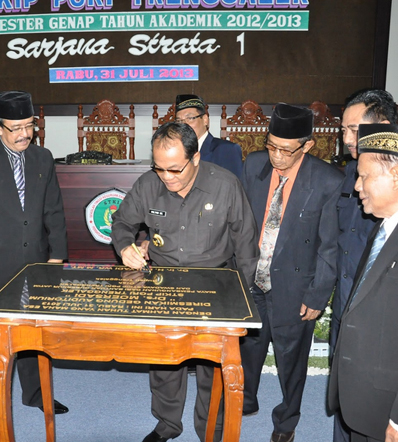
x=25 y=295
x=377 y=245
x=19 y=177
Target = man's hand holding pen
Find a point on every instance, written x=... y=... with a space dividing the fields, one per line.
x=133 y=257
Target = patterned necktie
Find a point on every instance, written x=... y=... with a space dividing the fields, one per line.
x=25 y=295
x=377 y=245
x=19 y=177
x=270 y=234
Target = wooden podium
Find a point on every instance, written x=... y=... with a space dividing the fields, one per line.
x=79 y=185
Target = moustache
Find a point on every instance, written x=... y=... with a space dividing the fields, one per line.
x=21 y=140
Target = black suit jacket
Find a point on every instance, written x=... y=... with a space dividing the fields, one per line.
x=303 y=268
x=39 y=232
x=364 y=375
x=223 y=153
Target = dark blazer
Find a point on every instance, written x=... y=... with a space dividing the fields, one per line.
x=355 y=227
x=303 y=268
x=364 y=375
x=39 y=232
x=223 y=153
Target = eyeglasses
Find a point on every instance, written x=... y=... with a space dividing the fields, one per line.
x=172 y=171
x=187 y=120
x=284 y=152
x=20 y=129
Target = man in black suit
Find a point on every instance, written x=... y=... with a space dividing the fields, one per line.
x=364 y=107
x=191 y=109
x=364 y=375
x=32 y=224
x=295 y=277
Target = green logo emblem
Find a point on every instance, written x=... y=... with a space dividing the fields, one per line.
x=99 y=214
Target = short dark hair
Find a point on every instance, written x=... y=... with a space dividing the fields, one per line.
x=379 y=104
x=305 y=139
x=181 y=131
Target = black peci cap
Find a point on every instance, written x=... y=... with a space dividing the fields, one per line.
x=16 y=105
x=291 y=122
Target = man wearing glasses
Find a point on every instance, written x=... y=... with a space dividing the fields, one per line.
x=367 y=106
x=293 y=196
x=32 y=223
x=191 y=109
x=198 y=216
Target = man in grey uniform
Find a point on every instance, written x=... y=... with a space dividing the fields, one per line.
x=199 y=215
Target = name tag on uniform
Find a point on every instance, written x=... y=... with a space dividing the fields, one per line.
x=157 y=212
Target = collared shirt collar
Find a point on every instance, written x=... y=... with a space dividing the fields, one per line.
x=12 y=153
x=201 y=140
x=390 y=224
x=201 y=182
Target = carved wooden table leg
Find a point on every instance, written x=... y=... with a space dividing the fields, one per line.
x=214 y=404
x=46 y=381
x=233 y=389
x=6 y=362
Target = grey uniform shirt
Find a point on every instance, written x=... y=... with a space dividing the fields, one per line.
x=207 y=228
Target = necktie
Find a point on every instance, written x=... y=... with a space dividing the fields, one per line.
x=19 y=177
x=25 y=295
x=270 y=235
x=377 y=245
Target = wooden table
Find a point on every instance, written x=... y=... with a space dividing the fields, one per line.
x=149 y=344
x=131 y=337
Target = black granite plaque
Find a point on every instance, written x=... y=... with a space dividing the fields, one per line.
x=106 y=293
